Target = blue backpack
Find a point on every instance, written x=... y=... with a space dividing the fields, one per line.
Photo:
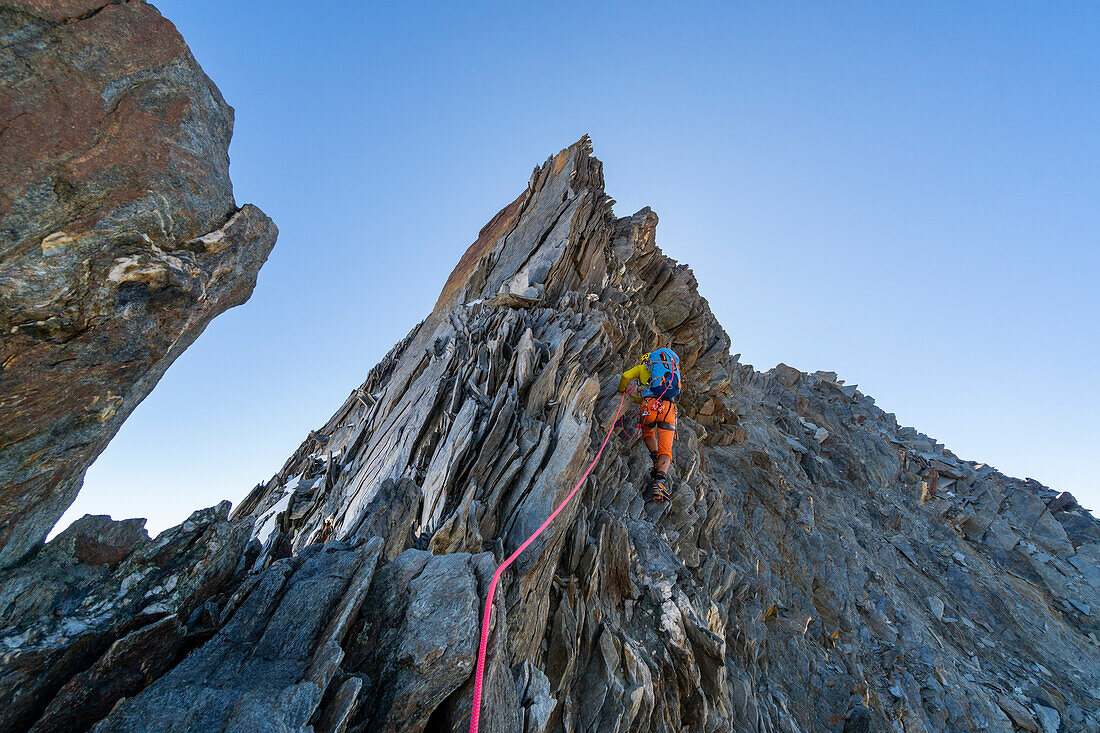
x=664 y=375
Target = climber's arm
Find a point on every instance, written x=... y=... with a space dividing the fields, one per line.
x=634 y=373
x=641 y=374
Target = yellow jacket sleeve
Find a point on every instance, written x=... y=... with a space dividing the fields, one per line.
x=638 y=372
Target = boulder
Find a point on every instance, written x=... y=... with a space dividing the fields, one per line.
x=96 y=539
x=1063 y=502
x=788 y=376
x=120 y=238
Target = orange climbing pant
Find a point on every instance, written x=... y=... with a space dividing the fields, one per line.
x=659 y=418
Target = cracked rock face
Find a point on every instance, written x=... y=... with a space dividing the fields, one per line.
x=102 y=610
x=820 y=568
x=119 y=236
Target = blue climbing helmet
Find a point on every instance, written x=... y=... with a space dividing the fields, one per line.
x=664 y=374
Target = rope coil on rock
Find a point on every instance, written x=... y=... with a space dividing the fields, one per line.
x=475 y=711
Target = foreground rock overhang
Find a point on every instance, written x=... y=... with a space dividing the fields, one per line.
x=119 y=236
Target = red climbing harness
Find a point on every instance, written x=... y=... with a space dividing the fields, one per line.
x=638 y=410
x=475 y=711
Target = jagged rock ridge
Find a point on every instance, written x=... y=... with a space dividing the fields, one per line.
x=119 y=236
x=820 y=568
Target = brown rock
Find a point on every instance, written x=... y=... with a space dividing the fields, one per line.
x=96 y=539
x=1020 y=716
x=788 y=376
x=119 y=236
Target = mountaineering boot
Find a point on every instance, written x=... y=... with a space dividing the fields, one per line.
x=661 y=490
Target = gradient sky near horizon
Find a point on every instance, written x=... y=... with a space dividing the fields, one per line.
x=905 y=193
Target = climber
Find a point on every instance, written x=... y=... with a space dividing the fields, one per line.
x=659 y=374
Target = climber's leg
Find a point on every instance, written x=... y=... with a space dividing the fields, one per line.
x=665 y=426
x=649 y=435
x=659 y=419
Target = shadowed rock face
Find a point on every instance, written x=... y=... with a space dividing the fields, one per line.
x=119 y=236
x=102 y=610
x=821 y=568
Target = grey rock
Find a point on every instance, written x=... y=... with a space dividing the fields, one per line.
x=66 y=615
x=1049 y=534
x=99 y=540
x=1063 y=502
x=538 y=705
x=788 y=376
x=335 y=716
x=125 y=669
x=416 y=640
x=1048 y=718
x=858 y=720
x=268 y=667
x=1020 y=716
x=785 y=588
x=1000 y=534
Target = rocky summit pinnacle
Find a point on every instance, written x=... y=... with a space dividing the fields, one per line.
x=820 y=567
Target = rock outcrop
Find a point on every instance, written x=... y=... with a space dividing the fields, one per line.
x=820 y=567
x=102 y=610
x=119 y=236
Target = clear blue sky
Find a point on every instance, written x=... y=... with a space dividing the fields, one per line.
x=907 y=194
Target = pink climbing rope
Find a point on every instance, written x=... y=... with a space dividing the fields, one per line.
x=622 y=421
x=475 y=711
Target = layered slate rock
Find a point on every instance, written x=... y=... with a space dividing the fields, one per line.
x=103 y=610
x=269 y=666
x=820 y=568
x=119 y=236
